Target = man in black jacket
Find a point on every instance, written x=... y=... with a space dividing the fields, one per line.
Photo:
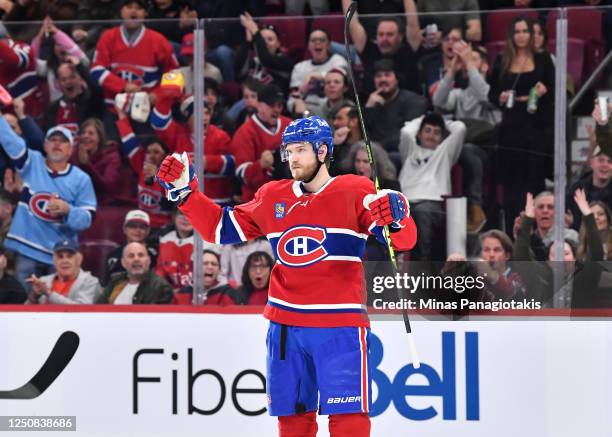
x=388 y=107
x=11 y=291
x=138 y=284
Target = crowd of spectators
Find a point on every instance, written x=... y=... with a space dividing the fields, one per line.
x=97 y=105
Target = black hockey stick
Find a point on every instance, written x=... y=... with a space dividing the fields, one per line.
x=347 y=21
x=61 y=354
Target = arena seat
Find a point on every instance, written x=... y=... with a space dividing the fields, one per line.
x=292 y=32
x=108 y=225
x=583 y=24
x=333 y=24
x=94 y=255
x=498 y=22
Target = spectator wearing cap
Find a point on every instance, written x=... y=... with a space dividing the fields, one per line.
x=388 y=107
x=136 y=228
x=130 y=57
x=144 y=156
x=261 y=57
x=395 y=39
x=216 y=289
x=138 y=284
x=308 y=77
x=179 y=134
x=70 y=284
x=57 y=202
x=11 y=291
x=210 y=70
x=81 y=98
x=99 y=158
x=335 y=91
x=429 y=147
x=256 y=141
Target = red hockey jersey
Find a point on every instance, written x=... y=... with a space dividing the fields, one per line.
x=249 y=141
x=174 y=262
x=151 y=196
x=142 y=61
x=18 y=75
x=219 y=162
x=318 y=241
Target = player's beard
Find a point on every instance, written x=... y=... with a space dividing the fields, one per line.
x=304 y=172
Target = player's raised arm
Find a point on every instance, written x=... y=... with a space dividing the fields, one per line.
x=215 y=224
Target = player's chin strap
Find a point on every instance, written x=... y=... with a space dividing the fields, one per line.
x=316 y=172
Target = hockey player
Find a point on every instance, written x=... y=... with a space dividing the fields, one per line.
x=317 y=225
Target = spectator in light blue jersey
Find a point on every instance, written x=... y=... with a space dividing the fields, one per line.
x=57 y=200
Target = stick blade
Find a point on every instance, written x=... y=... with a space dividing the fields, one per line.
x=61 y=354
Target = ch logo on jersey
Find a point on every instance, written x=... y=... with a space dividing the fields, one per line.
x=39 y=204
x=279 y=210
x=148 y=199
x=130 y=73
x=301 y=246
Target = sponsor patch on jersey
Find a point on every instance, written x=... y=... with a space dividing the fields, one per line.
x=39 y=204
x=301 y=245
x=279 y=210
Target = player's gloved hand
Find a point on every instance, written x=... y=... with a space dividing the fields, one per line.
x=388 y=207
x=177 y=176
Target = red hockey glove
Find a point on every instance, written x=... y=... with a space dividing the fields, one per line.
x=388 y=207
x=177 y=176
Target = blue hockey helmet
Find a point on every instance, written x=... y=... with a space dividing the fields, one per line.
x=313 y=130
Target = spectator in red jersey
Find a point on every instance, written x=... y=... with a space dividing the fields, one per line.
x=144 y=158
x=18 y=73
x=99 y=158
x=131 y=58
x=70 y=284
x=258 y=139
x=136 y=227
x=255 y=279
x=81 y=97
x=218 y=159
x=216 y=291
x=174 y=262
